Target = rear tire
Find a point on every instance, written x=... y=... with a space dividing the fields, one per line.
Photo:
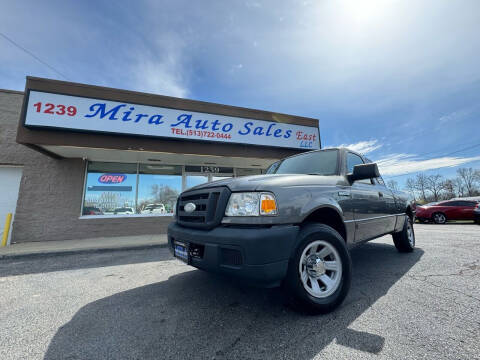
x=320 y=271
x=439 y=218
x=405 y=240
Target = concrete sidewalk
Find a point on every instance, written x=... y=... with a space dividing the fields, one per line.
x=83 y=245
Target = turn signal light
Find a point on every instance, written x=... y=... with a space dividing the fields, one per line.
x=268 y=205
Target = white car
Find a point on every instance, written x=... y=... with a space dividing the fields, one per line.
x=154 y=209
x=124 y=211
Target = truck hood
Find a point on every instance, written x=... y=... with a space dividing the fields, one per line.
x=269 y=182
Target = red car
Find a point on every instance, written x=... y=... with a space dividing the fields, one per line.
x=444 y=211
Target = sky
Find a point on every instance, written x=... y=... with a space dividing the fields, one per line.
x=396 y=80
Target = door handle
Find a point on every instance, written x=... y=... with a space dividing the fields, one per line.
x=380 y=194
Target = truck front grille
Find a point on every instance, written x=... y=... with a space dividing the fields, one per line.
x=209 y=204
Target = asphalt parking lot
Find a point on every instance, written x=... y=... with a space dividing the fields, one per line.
x=145 y=305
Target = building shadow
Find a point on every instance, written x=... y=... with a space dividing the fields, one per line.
x=83 y=260
x=196 y=315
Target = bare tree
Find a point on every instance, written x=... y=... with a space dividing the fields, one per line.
x=434 y=184
x=449 y=188
x=421 y=185
x=164 y=194
x=469 y=178
x=392 y=184
x=411 y=187
x=459 y=187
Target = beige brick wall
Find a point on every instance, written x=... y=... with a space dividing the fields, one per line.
x=50 y=196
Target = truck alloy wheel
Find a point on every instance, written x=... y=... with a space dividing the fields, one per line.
x=320 y=269
x=319 y=274
x=439 y=218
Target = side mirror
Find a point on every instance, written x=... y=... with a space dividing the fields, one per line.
x=364 y=171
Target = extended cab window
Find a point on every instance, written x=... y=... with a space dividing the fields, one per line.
x=352 y=160
x=316 y=162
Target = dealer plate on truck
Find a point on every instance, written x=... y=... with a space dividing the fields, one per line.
x=181 y=251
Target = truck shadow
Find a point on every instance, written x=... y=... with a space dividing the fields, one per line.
x=195 y=315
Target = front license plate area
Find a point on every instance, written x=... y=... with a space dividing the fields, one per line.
x=181 y=251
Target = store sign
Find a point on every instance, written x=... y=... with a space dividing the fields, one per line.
x=112 y=178
x=94 y=115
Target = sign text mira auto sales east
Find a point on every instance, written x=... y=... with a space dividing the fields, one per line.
x=93 y=115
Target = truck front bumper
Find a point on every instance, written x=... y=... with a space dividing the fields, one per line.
x=259 y=255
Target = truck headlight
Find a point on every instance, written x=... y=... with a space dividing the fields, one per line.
x=251 y=204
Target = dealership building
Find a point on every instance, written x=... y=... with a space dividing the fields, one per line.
x=80 y=161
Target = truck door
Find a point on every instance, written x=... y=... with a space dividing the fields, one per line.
x=392 y=208
x=371 y=215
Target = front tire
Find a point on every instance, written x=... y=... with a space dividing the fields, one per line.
x=319 y=274
x=405 y=240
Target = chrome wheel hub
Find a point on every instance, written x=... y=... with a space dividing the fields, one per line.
x=320 y=269
x=315 y=266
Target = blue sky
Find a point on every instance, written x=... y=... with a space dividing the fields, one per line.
x=397 y=80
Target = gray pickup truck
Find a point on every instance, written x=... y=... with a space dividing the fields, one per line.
x=293 y=226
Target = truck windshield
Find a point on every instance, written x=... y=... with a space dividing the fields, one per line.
x=317 y=162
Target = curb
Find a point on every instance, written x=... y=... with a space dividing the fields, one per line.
x=50 y=253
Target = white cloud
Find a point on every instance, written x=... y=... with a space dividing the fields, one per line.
x=453 y=117
x=402 y=163
x=363 y=147
x=162 y=77
x=398 y=164
x=160 y=67
x=253 y=4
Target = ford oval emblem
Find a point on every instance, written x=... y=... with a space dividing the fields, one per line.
x=189 y=207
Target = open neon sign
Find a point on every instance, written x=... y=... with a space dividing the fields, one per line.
x=112 y=178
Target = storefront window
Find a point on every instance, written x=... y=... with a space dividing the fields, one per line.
x=215 y=178
x=145 y=189
x=247 y=172
x=110 y=189
x=158 y=188
x=194 y=180
x=128 y=189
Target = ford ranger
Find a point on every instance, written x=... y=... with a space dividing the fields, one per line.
x=293 y=226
